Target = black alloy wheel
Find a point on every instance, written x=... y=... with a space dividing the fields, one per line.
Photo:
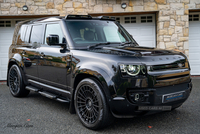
x=90 y=104
x=15 y=81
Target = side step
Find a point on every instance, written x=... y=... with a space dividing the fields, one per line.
x=46 y=94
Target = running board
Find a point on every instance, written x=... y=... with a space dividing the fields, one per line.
x=31 y=88
x=46 y=94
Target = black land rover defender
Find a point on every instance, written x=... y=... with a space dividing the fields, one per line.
x=96 y=66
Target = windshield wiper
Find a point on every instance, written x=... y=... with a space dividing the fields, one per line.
x=127 y=42
x=99 y=44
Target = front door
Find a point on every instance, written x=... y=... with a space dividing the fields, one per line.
x=52 y=65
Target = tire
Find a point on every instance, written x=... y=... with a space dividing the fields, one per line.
x=16 y=83
x=176 y=107
x=90 y=104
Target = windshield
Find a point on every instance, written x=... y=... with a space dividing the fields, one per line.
x=85 y=33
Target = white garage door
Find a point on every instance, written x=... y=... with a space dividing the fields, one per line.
x=194 y=43
x=141 y=27
x=6 y=34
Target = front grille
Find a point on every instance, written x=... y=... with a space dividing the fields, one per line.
x=176 y=65
x=169 y=74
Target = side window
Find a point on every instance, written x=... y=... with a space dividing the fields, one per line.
x=54 y=29
x=37 y=34
x=27 y=36
x=21 y=35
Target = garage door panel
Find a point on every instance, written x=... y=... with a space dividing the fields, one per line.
x=6 y=43
x=194 y=43
x=4 y=50
x=194 y=31
x=133 y=31
x=6 y=36
x=147 y=31
x=4 y=61
x=149 y=43
x=143 y=30
x=195 y=70
x=3 y=73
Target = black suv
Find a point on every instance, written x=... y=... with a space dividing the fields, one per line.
x=94 y=63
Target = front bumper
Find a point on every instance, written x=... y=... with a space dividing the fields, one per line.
x=125 y=107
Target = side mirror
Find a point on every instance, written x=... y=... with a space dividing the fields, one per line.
x=52 y=39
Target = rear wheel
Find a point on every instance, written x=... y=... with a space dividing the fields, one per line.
x=15 y=81
x=90 y=104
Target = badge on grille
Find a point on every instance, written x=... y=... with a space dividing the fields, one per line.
x=180 y=65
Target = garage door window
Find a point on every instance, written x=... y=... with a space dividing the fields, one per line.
x=116 y=18
x=146 y=19
x=194 y=17
x=129 y=19
x=5 y=23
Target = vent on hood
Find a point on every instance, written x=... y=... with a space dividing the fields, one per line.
x=111 y=52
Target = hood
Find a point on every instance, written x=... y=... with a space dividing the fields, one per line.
x=141 y=51
x=147 y=55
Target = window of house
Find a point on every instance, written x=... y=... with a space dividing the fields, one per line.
x=36 y=34
x=54 y=29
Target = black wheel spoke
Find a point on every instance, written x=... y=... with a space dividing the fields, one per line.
x=87 y=104
x=14 y=80
x=81 y=98
x=95 y=105
x=80 y=102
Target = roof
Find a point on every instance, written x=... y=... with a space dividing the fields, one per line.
x=77 y=17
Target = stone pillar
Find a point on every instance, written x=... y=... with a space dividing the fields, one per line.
x=173 y=26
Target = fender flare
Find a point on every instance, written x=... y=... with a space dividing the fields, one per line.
x=16 y=59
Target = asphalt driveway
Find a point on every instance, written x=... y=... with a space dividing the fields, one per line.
x=36 y=114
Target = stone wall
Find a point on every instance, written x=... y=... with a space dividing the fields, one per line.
x=172 y=17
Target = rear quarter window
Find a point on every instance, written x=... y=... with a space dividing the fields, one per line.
x=21 y=35
x=27 y=35
x=36 y=34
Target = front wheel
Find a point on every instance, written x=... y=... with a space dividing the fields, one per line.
x=15 y=81
x=90 y=104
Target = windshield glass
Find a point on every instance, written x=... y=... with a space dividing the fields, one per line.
x=90 y=32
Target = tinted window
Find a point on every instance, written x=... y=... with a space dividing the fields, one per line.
x=36 y=34
x=27 y=34
x=21 y=35
x=54 y=29
x=85 y=33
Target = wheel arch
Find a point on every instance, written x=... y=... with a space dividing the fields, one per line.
x=19 y=63
x=100 y=76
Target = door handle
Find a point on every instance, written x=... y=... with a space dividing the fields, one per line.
x=23 y=52
x=42 y=54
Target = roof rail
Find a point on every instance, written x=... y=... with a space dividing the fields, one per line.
x=78 y=16
x=105 y=18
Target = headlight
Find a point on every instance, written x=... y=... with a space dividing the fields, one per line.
x=132 y=69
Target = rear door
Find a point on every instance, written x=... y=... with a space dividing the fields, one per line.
x=29 y=50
